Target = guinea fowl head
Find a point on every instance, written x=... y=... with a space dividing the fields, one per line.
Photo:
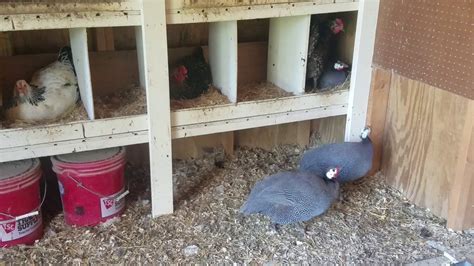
x=365 y=133
x=339 y=66
x=180 y=74
x=333 y=172
x=337 y=25
x=22 y=88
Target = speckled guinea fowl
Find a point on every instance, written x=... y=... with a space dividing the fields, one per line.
x=355 y=158
x=290 y=197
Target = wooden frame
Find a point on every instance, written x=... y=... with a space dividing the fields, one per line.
x=155 y=54
x=161 y=125
x=361 y=68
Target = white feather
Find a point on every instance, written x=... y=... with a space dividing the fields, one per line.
x=60 y=95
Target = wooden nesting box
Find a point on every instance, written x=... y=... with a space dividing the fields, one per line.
x=133 y=41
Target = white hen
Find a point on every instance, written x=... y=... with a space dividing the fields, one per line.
x=51 y=94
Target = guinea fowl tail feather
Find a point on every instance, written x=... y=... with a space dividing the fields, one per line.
x=65 y=56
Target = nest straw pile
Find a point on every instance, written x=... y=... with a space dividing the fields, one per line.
x=260 y=91
x=127 y=102
x=373 y=223
x=211 y=97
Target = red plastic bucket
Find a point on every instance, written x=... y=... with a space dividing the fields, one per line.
x=92 y=185
x=20 y=202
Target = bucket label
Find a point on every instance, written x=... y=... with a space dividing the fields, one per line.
x=110 y=206
x=12 y=230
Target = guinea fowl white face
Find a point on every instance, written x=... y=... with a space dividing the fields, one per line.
x=340 y=66
x=332 y=173
x=365 y=133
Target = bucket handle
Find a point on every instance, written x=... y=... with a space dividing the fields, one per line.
x=34 y=212
x=116 y=198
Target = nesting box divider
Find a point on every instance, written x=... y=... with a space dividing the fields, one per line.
x=141 y=58
x=287 y=52
x=223 y=57
x=78 y=38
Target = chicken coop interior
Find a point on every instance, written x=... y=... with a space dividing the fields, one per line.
x=249 y=131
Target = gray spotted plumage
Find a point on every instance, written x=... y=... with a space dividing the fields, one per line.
x=331 y=78
x=290 y=197
x=355 y=159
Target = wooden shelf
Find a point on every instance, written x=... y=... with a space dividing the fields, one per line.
x=30 y=16
x=178 y=12
x=21 y=143
x=41 y=16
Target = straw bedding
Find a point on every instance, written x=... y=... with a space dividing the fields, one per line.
x=373 y=223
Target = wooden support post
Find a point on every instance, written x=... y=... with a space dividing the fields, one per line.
x=141 y=66
x=376 y=112
x=361 y=68
x=287 y=52
x=223 y=57
x=461 y=195
x=80 y=53
x=155 y=58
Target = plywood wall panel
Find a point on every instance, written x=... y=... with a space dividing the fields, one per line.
x=430 y=41
x=423 y=136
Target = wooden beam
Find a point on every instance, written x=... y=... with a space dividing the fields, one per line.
x=376 y=112
x=155 y=56
x=361 y=68
x=461 y=196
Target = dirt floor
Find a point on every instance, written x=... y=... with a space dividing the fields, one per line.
x=373 y=223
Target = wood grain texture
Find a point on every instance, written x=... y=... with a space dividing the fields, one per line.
x=376 y=113
x=423 y=137
x=269 y=137
x=330 y=129
x=104 y=39
x=461 y=198
x=187 y=148
x=184 y=4
x=418 y=39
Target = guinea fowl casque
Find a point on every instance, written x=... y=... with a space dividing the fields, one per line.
x=291 y=197
x=355 y=158
x=52 y=92
x=190 y=77
x=321 y=40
